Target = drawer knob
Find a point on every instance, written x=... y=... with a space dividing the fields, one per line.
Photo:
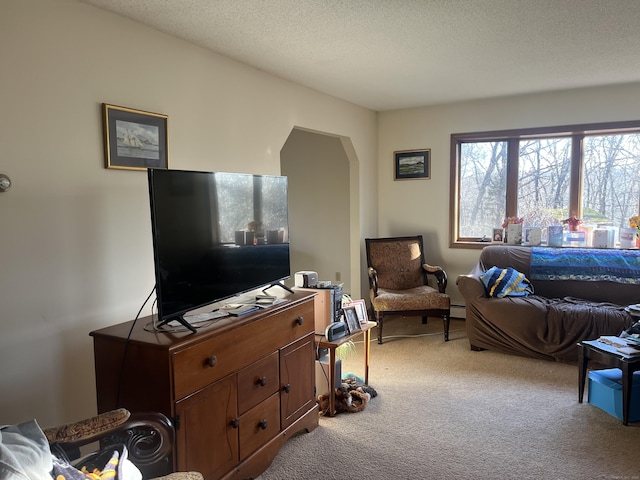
x=287 y=388
x=300 y=320
x=262 y=381
x=212 y=361
x=263 y=424
x=235 y=422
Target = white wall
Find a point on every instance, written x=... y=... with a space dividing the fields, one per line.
x=318 y=170
x=422 y=206
x=75 y=238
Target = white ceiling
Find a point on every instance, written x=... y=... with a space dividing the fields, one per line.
x=390 y=54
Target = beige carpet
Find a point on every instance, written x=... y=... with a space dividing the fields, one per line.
x=443 y=411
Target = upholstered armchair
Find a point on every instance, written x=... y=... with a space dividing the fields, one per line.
x=398 y=282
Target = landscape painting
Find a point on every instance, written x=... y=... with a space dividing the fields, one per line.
x=412 y=164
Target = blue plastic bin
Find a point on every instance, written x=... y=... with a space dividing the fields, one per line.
x=605 y=392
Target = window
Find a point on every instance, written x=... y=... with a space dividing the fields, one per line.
x=544 y=175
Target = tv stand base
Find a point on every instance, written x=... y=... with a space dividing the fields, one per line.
x=277 y=284
x=181 y=321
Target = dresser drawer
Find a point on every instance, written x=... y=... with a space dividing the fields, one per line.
x=259 y=425
x=257 y=382
x=207 y=362
x=217 y=356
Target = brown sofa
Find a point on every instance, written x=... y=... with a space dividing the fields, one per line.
x=564 y=309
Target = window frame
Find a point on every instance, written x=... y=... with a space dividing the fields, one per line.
x=577 y=133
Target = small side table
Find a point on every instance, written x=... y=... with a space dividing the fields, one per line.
x=607 y=356
x=322 y=342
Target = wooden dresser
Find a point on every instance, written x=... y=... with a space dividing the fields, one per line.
x=236 y=390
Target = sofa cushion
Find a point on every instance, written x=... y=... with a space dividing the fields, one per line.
x=506 y=282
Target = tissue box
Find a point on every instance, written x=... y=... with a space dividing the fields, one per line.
x=554 y=235
x=575 y=239
x=601 y=239
x=605 y=392
x=532 y=236
x=627 y=238
x=514 y=234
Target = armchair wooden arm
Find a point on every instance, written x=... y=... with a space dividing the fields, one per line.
x=440 y=274
x=149 y=438
x=373 y=280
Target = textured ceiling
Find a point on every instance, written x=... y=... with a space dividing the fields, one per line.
x=389 y=54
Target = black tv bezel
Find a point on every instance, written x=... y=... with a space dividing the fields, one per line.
x=179 y=314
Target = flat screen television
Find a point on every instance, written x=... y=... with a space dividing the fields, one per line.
x=215 y=235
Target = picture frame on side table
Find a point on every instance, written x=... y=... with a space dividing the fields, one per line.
x=412 y=164
x=134 y=139
x=351 y=318
x=361 y=310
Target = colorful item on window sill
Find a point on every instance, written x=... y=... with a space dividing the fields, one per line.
x=573 y=223
x=634 y=222
x=509 y=220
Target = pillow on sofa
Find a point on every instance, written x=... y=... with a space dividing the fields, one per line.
x=506 y=282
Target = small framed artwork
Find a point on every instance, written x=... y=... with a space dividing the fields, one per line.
x=497 y=236
x=361 y=310
x=134 y=139
x=351 y=317
x=412 y=164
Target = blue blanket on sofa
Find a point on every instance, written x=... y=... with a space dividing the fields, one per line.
x=589 y=264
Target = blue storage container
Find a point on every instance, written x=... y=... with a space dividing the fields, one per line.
x=605 y=392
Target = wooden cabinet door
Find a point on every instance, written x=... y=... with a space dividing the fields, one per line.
x=297 y=380
x=207 y=436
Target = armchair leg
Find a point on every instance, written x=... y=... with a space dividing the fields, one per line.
x=379 y=320
x=424 y=320
x=446 y=321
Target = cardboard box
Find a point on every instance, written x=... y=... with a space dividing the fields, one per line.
x=605 y=392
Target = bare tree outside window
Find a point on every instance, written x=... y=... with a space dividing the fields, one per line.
x=483 y=181
x=590 y=171
x=544 y=179
x=610 y=179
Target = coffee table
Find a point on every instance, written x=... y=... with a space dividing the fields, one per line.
x=607 y=356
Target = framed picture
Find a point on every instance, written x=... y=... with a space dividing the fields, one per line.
x=412 y=164
x=351 y=317
x=361 y=310
x=134 y=139
x=497 y=235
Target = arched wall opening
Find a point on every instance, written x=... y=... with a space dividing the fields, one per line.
x=323 y=206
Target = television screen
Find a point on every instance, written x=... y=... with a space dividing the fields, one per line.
x=216 y=235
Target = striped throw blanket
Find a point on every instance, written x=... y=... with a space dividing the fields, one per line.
x=506 y=282
x=588 y=264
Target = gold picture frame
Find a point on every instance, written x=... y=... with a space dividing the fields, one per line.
x=134 y=139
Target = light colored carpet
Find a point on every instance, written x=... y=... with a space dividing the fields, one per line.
x=444 y=411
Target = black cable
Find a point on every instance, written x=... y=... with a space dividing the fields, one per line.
x=126 y=347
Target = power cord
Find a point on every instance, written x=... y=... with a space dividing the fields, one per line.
x=126 y=346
